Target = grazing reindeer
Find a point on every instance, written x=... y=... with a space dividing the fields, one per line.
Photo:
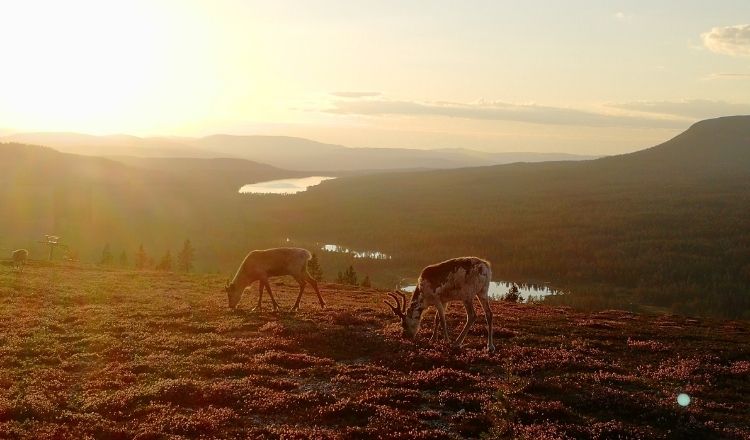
x=259 y=265
x=19 y=258
x=458 y=279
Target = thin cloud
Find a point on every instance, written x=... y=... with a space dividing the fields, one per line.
x=356 y=94
x=694 y=108
x=729 y=76
x=623 y=17
x=728 y=40
x=498 y=111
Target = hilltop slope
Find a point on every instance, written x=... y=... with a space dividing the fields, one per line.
x=102 y=353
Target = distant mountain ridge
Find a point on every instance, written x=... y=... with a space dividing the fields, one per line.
x=280 y=151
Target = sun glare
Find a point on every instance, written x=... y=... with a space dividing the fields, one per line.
x=102 y=66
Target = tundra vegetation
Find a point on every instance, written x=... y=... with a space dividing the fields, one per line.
x=90 y=352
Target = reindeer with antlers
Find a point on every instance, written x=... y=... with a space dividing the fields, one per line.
x=457 y=279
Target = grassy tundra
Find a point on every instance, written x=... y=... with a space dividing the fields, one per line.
x=91 y=353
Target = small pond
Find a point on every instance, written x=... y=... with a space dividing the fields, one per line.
x=375 y=255
x=498 y=289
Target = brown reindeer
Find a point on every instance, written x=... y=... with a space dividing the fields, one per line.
x=20 y=256
x=260 y=265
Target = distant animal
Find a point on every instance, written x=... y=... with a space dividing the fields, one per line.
x=259 y=265
x=458 y=279
x=20 y=256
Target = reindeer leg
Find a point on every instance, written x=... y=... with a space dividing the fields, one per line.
x=314 y=283
x=270 y=293
x=435 y=324
x=484 y=301
x=259 y=307
x=471 y=316
x=301 y=280
x=441 y=312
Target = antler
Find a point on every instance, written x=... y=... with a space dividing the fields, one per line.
x=403 y=296
x=398 y=308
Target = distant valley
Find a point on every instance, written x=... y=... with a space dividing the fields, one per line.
x=663 y=227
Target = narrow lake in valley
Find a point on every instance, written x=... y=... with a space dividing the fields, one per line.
x=283 y=186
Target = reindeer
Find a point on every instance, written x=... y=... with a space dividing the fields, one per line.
x=259 y=265
x=458 y=279
x=19 y=258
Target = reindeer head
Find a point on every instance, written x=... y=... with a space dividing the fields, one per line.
x=409 y=324
x=233 y=294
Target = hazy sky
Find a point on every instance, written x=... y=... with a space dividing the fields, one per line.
x=576 y=76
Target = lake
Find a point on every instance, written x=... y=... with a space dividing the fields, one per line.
x=498 y=289
x=283 y=186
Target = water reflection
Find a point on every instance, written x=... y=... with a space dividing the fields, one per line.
x=283 y=186
x=498 y=289
x=375 y=255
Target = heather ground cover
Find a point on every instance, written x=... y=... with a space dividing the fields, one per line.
x=95 y=353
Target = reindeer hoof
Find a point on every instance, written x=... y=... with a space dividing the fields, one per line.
x=491 y=348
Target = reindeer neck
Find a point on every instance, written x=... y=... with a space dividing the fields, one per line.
x=416 y=305
x=242 y=278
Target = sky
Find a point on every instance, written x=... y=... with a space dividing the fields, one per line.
x=591 y=77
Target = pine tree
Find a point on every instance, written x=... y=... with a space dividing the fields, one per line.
x=141 y=258
x=123 y=259
x=350 y=276
x=106 y=255
x=513 y=295
x=166 y=262
x=313 y=266
x=185 y=257
x=366 y=281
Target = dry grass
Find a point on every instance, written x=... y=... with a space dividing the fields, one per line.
x=90 y=353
